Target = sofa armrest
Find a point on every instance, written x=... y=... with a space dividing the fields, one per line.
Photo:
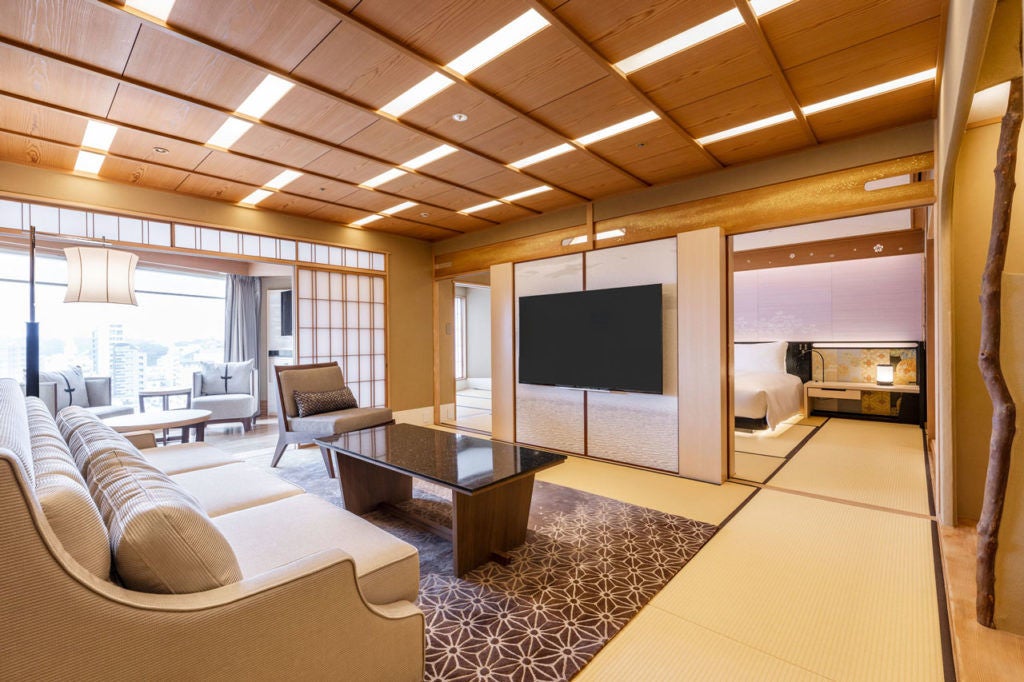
x=141 y=439
x=97 y=391
x=48 y=394
x=197 y=384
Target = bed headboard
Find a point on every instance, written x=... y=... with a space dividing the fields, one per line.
x=798 y=358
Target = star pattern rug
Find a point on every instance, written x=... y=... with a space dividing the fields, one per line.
x=588 y=566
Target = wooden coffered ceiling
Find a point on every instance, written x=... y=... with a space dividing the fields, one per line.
x=170 y=85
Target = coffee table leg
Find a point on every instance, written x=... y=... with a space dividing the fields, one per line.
x=489 y=522
x=184 y=434
x=201 y=432
x=365 y=485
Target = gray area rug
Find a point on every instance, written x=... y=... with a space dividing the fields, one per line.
x=588 y=565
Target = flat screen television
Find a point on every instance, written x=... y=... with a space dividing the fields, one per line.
x=605 y=339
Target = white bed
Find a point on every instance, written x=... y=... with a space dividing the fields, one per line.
x=762 y=389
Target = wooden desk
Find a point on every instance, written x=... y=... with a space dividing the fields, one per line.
x=848 y=390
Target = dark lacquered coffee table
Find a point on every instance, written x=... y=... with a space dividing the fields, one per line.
x=491 y=482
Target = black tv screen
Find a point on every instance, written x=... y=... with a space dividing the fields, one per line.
x=607 y=339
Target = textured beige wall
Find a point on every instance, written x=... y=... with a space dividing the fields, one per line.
x=410 y=265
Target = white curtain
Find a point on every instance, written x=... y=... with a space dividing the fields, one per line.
x=242 y=319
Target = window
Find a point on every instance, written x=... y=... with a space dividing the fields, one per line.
x=178 y=323
x=460 y=337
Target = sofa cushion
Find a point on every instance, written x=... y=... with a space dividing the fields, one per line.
x=70 y=387
x=227 y=406
x=105 y=411
x=162 y=540
x=64 y=496
x=278 y=533
x=226 y=377
x=14 y=432
x=341 y=421
x=177 y=459
x=232 y=487
x=309 y=403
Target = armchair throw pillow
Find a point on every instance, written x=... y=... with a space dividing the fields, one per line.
x=220 y=378
x=70 y=387
x=318 y=402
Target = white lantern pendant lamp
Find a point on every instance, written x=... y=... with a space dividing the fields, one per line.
x=100 y=275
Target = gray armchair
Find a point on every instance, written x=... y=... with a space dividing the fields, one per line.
x=228 y=407
x=98 y=395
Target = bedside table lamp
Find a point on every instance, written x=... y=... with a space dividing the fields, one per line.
x=884 y=375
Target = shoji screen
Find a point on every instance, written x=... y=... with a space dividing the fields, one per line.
x=341 y=318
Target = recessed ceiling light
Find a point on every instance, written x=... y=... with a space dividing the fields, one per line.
x=255 y=197
x=399 y=208
x=873 y=91
x=424 y=214
x=618 y=128
x=229 y=132
x=542 y=156
x=747 y=128
x=480 y=207
x=365 y=221
x=386 y=176
x=430 y=157
x=526 y=193
x=283 y=178
x=161 y=9
x=266 y=95
x=89 y=162
x=700 y=33
x=460 y=117
x=98 y=135
x=417 y=94
x=161 y=150
x=499 y=42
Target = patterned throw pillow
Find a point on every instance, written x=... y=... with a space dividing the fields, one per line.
x=70 y=387
x=220 y=378
x=318 y=402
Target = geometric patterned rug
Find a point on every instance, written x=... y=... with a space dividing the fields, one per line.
x=589 y=564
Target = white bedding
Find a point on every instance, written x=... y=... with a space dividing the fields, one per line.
x=775 y=396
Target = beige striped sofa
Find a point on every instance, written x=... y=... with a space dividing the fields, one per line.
x=185 y=563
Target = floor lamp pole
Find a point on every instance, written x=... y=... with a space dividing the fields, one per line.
x=32 y=327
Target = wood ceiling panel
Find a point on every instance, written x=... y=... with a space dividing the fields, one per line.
x=894 y=55
x=368 y=200
x=654 y=152
x=30 y=75
x=435 y=114
x=912 y=104
x=462 y=168
x=567 y=170
x=805 y=31
x=602 y=183
x=307 y=111
x=441 y=29
x=548 y=200
x=504 y=213
x=238 y=168
x=319 y=188
x=200 y=72
x=407 y=228
x=550 y=68
x=760 y=144
x=620 y=29
x=214 y=188
x=596 y=106
x=363 y=67
x=391 y=142
x=84 y=31
x=139 y=145
x=337 y=214
x=38 y=121
x=142 y=174
x=346 y=166
x=726 y=62
x=32 y=152
x=458 y=198
x=278 y=147
x=287 y=203
x=457 y=221
x=503 y=183
x=515 y=140
x=732 y=108
x=164 y=114
x=281 y=33
x=420 y=188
